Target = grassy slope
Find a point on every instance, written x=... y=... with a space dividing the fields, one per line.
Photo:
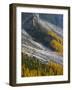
x=31 y=66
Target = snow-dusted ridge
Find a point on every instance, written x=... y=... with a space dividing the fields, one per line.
x=47 y=26
x=33 y=48
x=37 y=50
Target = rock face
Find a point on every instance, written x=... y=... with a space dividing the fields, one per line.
x=35 y=40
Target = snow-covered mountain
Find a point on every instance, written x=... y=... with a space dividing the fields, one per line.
x=34 y=39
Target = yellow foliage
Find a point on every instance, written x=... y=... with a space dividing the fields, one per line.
x=56 y=37
x=26 y=72
x=53 y=69
x=34 y=67
x=57 y=46
x=56 y=68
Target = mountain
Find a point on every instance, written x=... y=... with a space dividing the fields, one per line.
x=35 y=39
